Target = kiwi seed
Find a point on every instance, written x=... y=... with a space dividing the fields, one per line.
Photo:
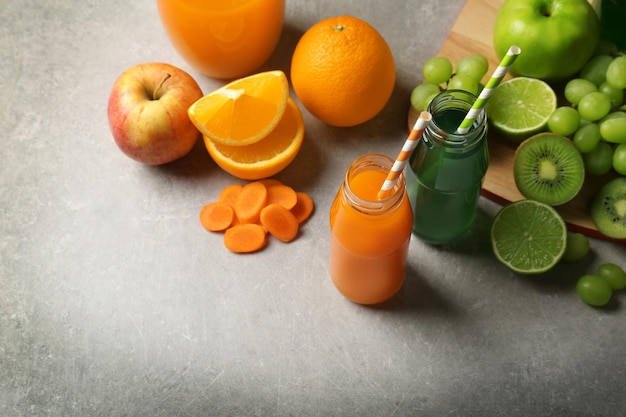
x=548 y=168
x=608 y=208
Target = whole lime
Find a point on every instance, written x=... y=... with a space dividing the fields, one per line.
x=557 y=37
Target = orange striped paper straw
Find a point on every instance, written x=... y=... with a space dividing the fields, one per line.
x=405 y=154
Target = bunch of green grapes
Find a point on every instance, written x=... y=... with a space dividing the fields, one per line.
x=595 y=118
x=439 y=75
x=597 y=289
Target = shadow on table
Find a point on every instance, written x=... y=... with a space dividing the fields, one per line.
x=563 y=277
x=419 y=297
x=197 y=163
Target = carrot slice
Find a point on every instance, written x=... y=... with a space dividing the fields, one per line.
x=283 y=195
x=279 y=222
x=250 y=202
x=303 y=208
x=230 y=193
x=245 y=238
x=268 y=182
x=246 y=213
x=216 y=216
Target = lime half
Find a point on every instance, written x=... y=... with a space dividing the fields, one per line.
x=528 y=236
x=521 y=107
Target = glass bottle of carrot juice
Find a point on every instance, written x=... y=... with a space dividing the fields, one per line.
x=369 y=239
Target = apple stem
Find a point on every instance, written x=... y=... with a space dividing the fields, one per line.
x=157 y=91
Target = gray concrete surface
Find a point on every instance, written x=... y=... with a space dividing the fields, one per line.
x=115 y=302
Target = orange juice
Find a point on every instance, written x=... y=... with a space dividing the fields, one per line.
x=369 y=239
x=223 y=38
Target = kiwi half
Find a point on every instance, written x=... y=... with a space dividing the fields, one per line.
x=548 y=168
x=608 y=208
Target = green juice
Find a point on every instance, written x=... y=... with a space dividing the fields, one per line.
x=613 y=17
x=445 y=176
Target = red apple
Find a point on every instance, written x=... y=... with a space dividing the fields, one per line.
x=147 y=112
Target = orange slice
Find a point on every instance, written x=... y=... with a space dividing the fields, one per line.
x=266 y=157
x=244 y=111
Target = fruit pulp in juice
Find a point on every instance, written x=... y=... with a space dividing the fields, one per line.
x=223 y=39
x=445 y=186
x=368 y=252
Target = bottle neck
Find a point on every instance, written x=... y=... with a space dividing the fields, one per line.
x=448 y=110
x=372 y=162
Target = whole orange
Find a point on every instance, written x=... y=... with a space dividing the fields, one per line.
x=343 y=71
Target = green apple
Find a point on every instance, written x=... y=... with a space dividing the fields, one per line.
x=557 y=37
x=147 y=112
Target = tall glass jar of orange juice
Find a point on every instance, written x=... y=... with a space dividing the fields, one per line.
x=369 y=239
x=223 y=38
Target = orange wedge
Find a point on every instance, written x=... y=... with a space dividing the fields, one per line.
x=266 y=157
x=244 y=111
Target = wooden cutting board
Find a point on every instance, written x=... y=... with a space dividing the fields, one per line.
x=472 y=33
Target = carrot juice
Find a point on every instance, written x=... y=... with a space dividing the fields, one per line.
x=369 y=237
x=223 y=39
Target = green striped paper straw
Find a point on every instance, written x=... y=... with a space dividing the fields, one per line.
x=491 y=85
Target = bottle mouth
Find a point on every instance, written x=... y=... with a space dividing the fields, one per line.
x=376 y=162
x=457 y=100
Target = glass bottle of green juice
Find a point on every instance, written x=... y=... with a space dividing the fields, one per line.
x=446 y=171
x=613 y=16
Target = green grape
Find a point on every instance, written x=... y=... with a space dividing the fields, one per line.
x=474 y=66
x=584 y=122
x=613 y=129
x=576 y=247
x=437 y=70
x=594 y=290
x=587 y=137
x=600 y=160
x=577 y=88
x=619 y=158
x=613 y=274
x=594 y=106
x=615 y=94
x=421 y=93
x=564 y=121
x=616 y=73
x=613 y=115
x=595 y=69
x=463 y=82
x=429 y=99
